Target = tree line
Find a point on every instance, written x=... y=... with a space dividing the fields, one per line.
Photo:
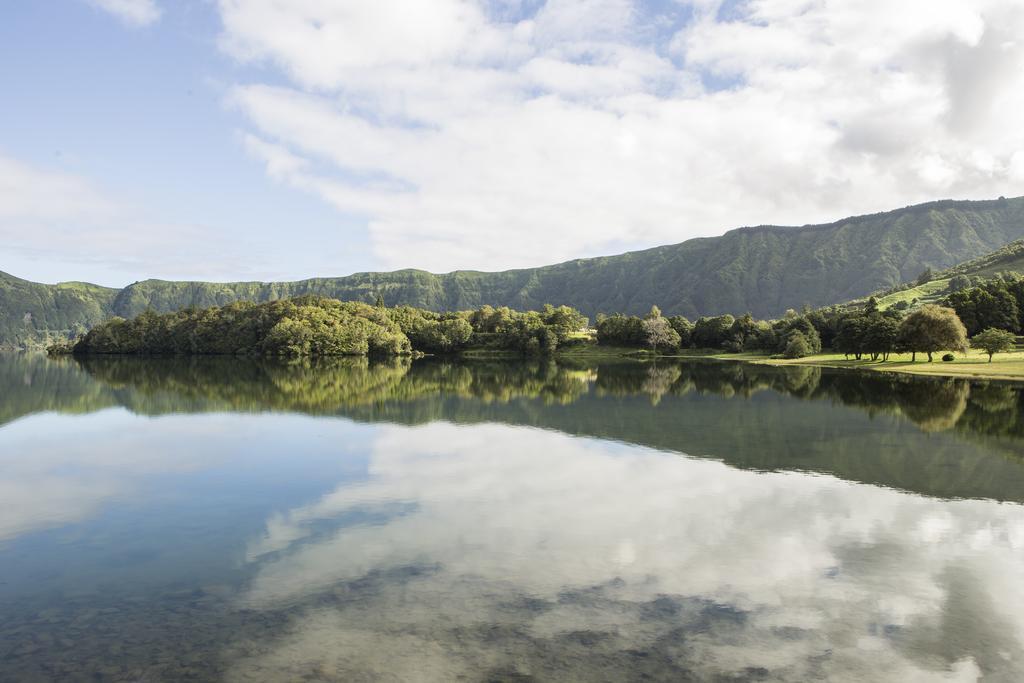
x=865 y=332
x=318 y=326
x=996 y=303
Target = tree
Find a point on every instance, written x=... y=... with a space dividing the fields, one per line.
x=743 y=328
x=880 y=335
x=850 y=338
x=444 y=336
x=683 y=327
x=801 y=324
x=659 y=334
x=620 y=330
x=926 y=276
x=993 y=341
x=797 y=346
x=563 y=321
x=990 y=305
x=958 y=282
x=932 y=328
x=712 y=333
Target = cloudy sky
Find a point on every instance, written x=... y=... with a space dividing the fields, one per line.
x=259 y=139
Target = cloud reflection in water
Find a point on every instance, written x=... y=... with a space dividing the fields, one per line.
x=521 y=551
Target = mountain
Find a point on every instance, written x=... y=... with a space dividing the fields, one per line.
x=30 y=312
x=763 y=270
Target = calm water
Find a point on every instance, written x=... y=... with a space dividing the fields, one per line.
x=170 y=520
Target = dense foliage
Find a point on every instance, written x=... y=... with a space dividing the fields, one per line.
x=858 y=332
x=870 y=332
x=763 y=270
x=794 y=333
x=997 y=303
x=316 y=326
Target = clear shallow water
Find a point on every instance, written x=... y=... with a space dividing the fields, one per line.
x=218 y=519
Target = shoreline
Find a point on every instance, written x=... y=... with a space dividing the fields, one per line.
x=972 y=365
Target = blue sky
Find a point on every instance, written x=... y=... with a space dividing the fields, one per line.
x=140 y=112
x=248 y=139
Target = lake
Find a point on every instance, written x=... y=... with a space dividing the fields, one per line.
x=241 y=520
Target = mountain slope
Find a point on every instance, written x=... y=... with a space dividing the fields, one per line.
x=1008 y=258
x=763 y=270
x=31 y=312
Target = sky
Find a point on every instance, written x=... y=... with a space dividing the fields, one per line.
x=284 y=139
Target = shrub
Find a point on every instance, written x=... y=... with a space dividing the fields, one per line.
x=948 y=357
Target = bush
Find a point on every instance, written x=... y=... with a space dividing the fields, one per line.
x=948 y=357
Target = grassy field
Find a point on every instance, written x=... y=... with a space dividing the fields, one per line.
x=974 y=364
x=928 y=293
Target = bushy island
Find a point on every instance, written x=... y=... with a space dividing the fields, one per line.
x=318 y=326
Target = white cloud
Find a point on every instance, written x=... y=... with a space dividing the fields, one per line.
x=61 y=222
x=471 y=141
x=131 y=12
x=76 y=468
x=318 y=43
x=31 y=193
x=808 y=564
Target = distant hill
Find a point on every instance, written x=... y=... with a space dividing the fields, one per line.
x=763 y=270
x=30 y=312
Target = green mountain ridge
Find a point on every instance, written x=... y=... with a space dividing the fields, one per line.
x=763 y=270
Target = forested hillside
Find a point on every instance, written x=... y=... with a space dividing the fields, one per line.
x=763 y=270
x=31 y=312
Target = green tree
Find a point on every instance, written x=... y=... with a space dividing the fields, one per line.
x=932 y=328
x=989 y=305
x=797 y=346
x=563 y=321
x=742 y=329
x=801 y=324
x=620 y=330
x=849 y=340
x=880 y=336
x=659 y=334
x=993 y=341
x=959 y=282
x=712 y=333
x=683 y=327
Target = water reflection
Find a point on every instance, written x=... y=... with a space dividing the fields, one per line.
x=618 y=564
x=175 y=519
x=944 y=437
